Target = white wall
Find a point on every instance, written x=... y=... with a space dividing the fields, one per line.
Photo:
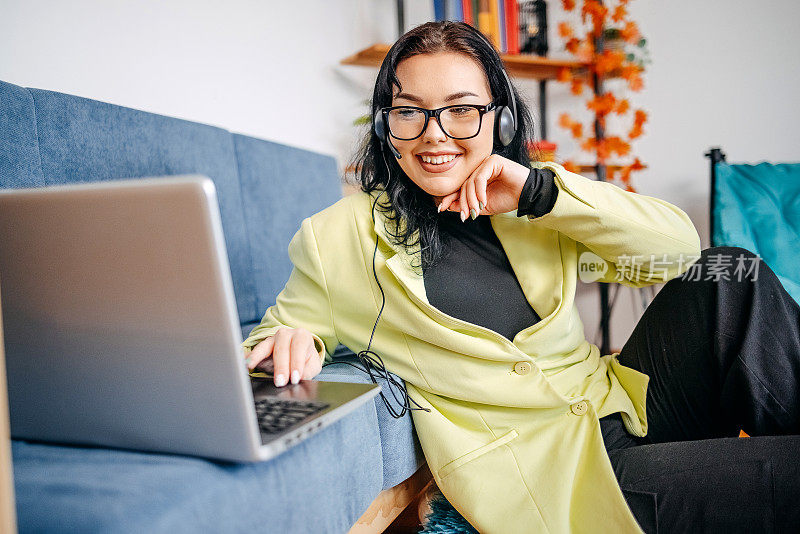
x=724 y=73
x=264 y=68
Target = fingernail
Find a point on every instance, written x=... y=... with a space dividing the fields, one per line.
x=295 y=376
x=280 y=380
x=463 y=217
x=473 y=213
x=439 y=208
x=480 y=205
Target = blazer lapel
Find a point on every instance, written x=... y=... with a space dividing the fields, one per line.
x=533 y=252
x=401 y=263
x=535 y=257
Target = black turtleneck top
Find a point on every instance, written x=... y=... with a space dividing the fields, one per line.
x=473 y=279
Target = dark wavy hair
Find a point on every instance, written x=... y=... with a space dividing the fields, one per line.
x=409 y=207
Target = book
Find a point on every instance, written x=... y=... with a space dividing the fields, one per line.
x=511 y=26
x=484 y=19
x=448 y=10
x=438 y=10
x=494 y=35
x=466 y=9
x=501 y=25
x=456 y=10
x=486 y=23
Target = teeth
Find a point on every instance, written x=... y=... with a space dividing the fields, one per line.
x=438 y=160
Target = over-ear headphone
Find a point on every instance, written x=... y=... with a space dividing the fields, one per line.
x=505 y=121
x=505 y=117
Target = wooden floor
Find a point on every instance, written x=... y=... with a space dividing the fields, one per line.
x=395 y=510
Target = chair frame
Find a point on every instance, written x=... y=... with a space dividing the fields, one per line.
x=716 y=155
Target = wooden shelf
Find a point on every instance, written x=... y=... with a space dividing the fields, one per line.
x=519 y=65
x=590 y=168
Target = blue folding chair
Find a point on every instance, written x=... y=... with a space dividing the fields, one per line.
x=757 y=207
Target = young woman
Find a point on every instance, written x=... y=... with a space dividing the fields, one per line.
x=469 y=254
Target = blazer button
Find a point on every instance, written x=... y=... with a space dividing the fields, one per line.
x=522 y=368
x=579 y=408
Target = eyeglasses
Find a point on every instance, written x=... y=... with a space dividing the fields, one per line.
x=460 y=121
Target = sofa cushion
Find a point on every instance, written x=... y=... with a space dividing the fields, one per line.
x=82 y=140
x=400 y=447
x=281 y=186
x=323 y=484
x=265 y=190
x=79 y=489
x=19 y=149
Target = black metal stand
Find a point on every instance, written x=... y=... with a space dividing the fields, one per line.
x=540 y=9
x=401 y=19
x=716 y=155
x=600 y=170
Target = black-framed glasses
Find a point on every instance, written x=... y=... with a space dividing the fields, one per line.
x=459 y=121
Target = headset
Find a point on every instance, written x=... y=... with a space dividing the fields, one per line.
x=505 y=128
x=368 y=357
x=505 y=121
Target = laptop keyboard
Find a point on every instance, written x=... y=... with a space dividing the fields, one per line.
x=276 y=415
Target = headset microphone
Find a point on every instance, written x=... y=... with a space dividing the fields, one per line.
x=393 y=149
x=379 y=126
x=372 y=362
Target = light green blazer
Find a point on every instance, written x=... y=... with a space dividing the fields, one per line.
x=512 y=438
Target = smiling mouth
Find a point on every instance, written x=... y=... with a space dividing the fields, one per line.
x=438 y=160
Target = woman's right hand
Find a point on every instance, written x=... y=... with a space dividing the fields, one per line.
x=294 y=355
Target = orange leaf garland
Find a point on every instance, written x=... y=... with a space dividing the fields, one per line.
x=603 y=63
x=616 y=144
x=625 y=174
x=586 y=51
x=570 y=166
x=630 y=33
x=566 y=122
x=602 y=104
x=609 y=60
x=639 y=118
x=577 y=86
x=597 y=12
x=572 y=45
x=619 y=13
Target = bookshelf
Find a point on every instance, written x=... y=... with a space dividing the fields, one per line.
x=518 y=65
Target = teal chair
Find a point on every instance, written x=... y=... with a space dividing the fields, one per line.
x=757 y=207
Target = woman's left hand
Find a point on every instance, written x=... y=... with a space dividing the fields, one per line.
x=496 y=185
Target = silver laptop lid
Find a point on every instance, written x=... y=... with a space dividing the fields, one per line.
x=97 y=292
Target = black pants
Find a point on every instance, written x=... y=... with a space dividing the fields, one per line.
x=722 y=355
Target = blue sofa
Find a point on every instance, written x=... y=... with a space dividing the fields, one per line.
x=265 y=189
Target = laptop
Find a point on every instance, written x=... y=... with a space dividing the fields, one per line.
x=121 y=327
